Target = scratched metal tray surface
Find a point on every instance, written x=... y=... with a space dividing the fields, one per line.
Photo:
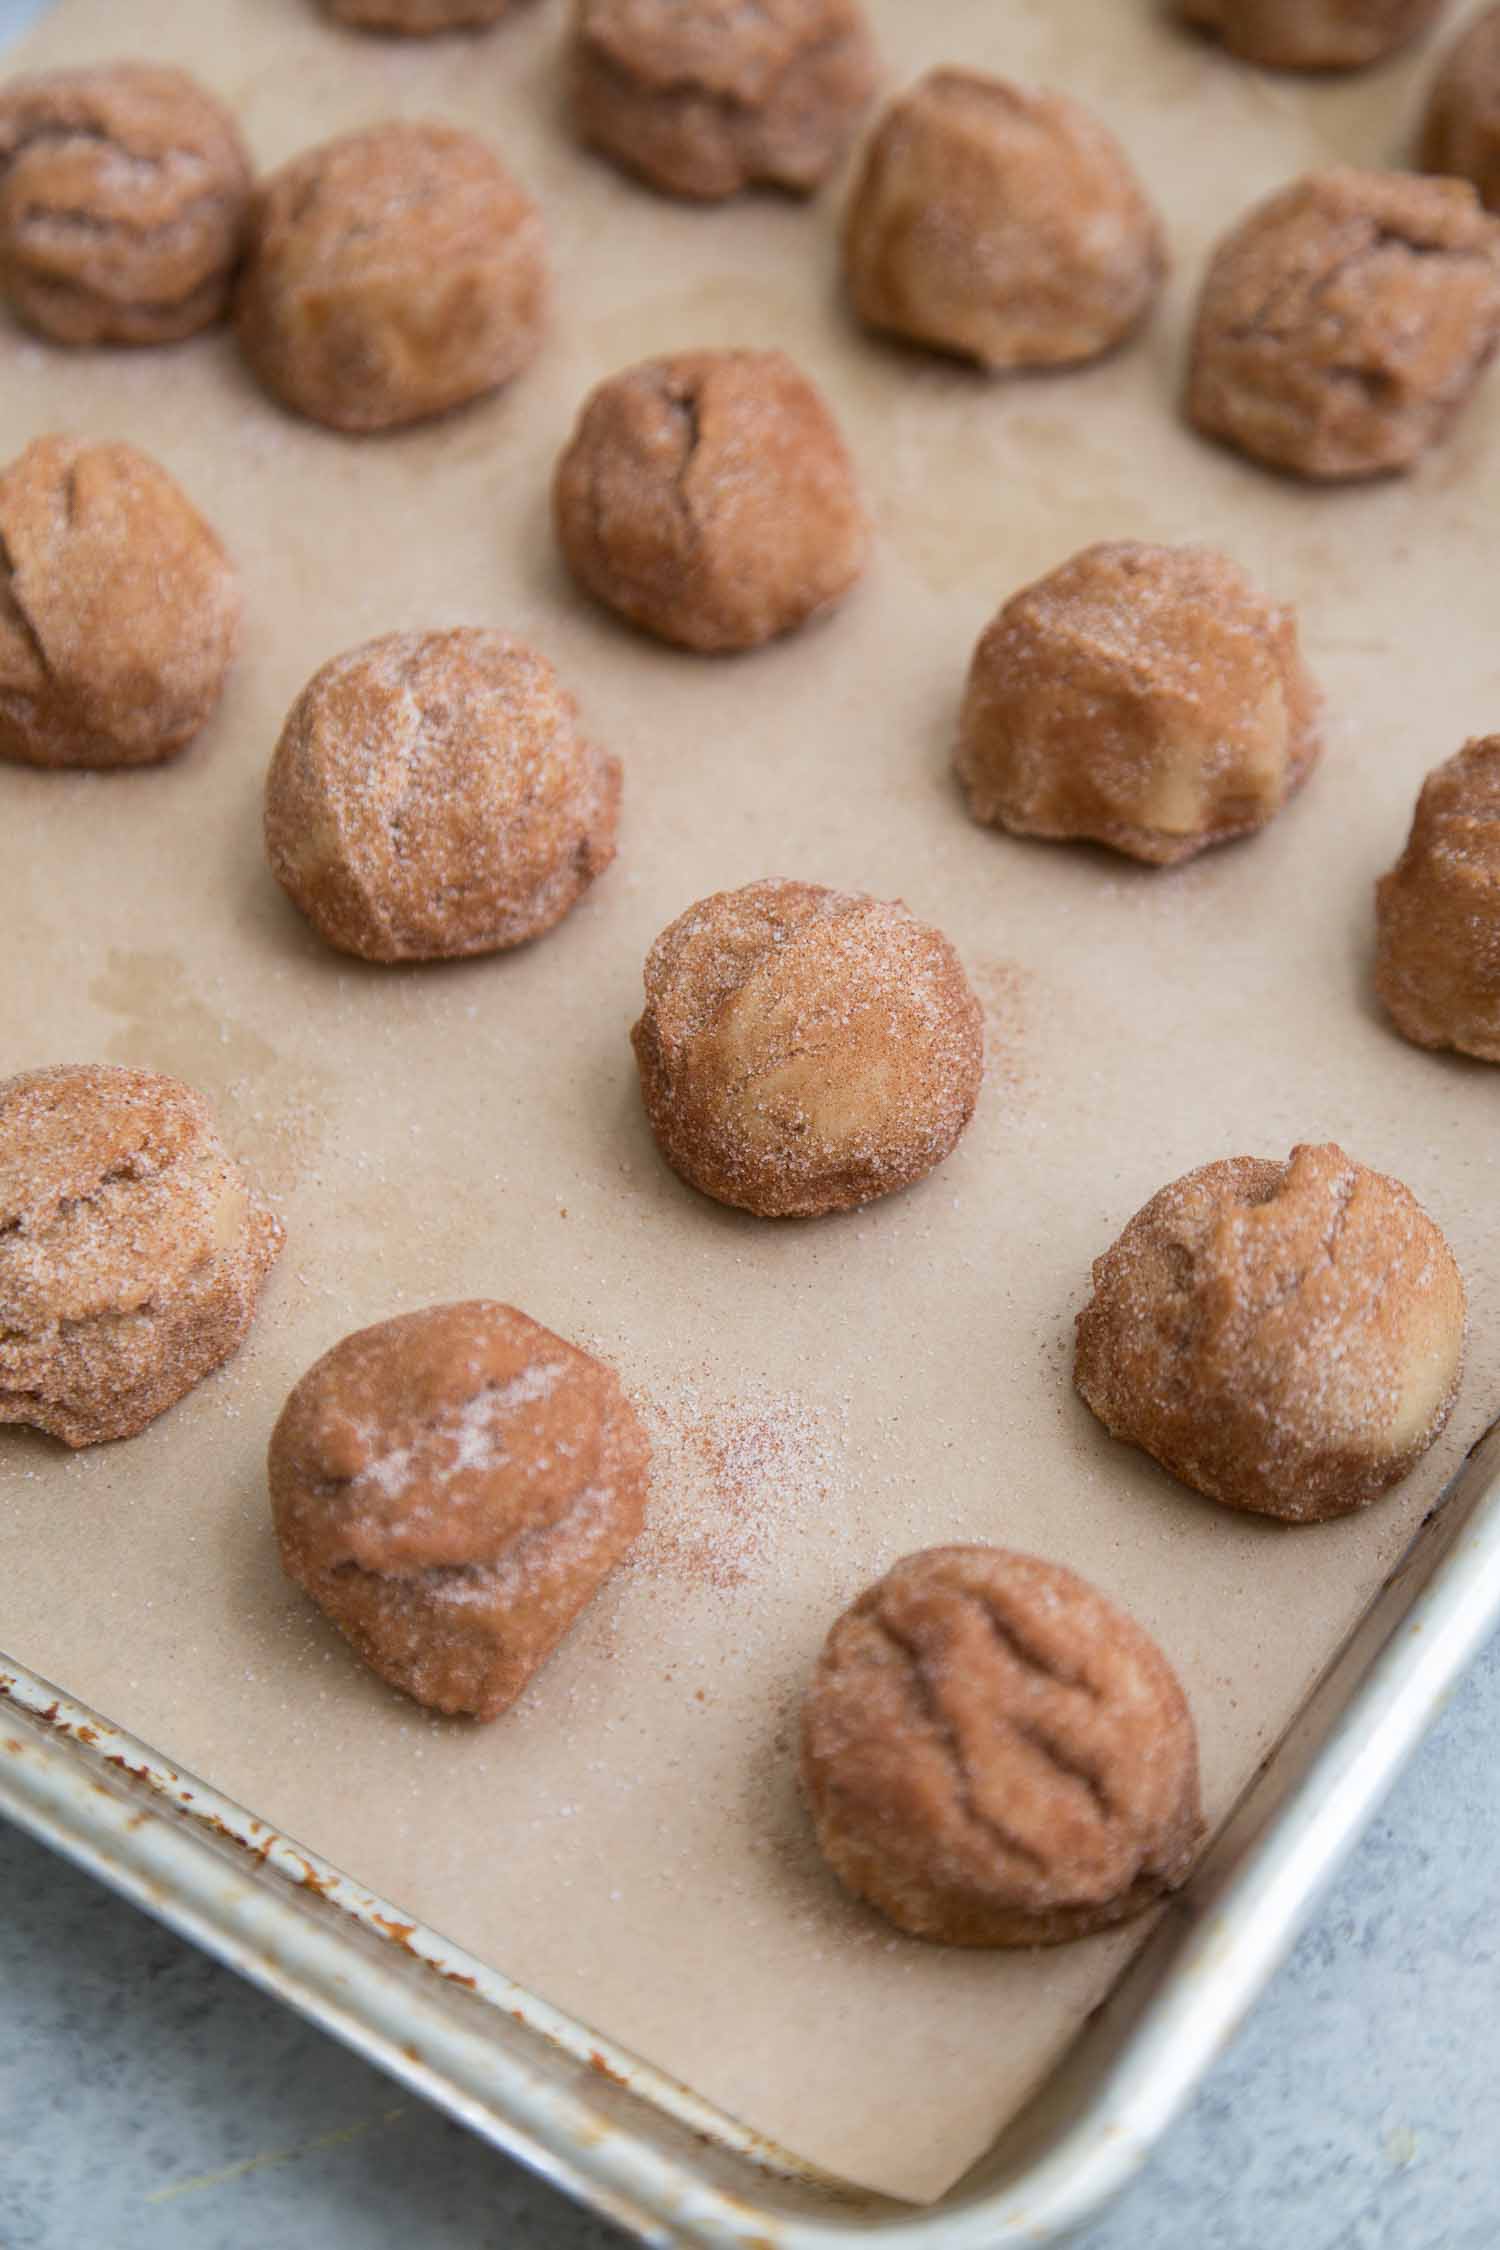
x=646 y=2151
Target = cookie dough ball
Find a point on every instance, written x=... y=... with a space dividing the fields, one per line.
x=1461 y=130
x=453 y=1488
x=709 y=499
x=119 y=609
x=431 y=796
x=1286 y=1338
x=393 y=274
x=132 y=1249
x=1345 y=322
x=1438 y=911
x=417 y=18
x=996 y=1755
x=1313 y=34
x=1148 y=698
x=1001 y=225
x=805 y=1050
x=705 y=100
x=124 y=196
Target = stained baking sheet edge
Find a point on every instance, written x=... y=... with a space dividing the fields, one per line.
x=976 y=489
x=209 y=1869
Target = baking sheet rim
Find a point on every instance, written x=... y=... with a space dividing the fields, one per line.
x=1221 y=1961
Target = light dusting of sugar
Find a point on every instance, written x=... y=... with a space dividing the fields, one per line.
x=1000 y=987
x=462 y=1438
x=736 y=1480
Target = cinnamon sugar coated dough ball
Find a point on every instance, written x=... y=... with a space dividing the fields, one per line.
x=1345 y=321
x=393 y=274
x=1313 y=34
x=417 y=18
x=132 y=1249
x=1003 y=225
x=709 y=499
x=431 y=796
x=805 y=1050
x=119 y=609
x=1461 y=130
x=452 y=1488
x=1438 y=911
x=1148 y=698
x=705 y=100
x=1286 y=1338
x=994 y=1754
x=124 y=197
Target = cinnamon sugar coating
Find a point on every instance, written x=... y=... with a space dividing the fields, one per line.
x=1461 y=127
x=431 y=796
x=1345 y=321
x=1313 y=34
x=452 y=1488
x=1284 y=1337
x=804 y=1050
x=709 y=499
x=124 y=197
x=995 y=1755
x=119 y=609
x=1437 y=963
x=394 y=273
x=417 y=18
x=1148 y=698
x=1000 y=224
x=132 y=1249
x=707 y=100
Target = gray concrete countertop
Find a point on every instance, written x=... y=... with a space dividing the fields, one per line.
x=150 y=2101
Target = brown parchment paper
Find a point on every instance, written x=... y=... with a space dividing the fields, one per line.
x=825 y=1396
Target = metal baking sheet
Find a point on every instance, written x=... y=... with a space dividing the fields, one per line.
x=1139 y=1024
x=643 y=2150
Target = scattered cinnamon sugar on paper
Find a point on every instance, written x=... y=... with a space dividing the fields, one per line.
x=1001 y=990
x=735 y=1479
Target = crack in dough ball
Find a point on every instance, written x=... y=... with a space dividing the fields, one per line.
x=431 y=796
x=1461 y=128
x=417 y=19
x=1286 y=1338
x=452 y=1488
x=994 y=1754
x=1345 y=321
x=394 y=273
x=132 y=1249
x=709 y=499
x=804 y=1050
x=1313 y=34
x=124 y=200
x=119 y=609
x=707 y=100
x=1002 y=225
x=1438 y=911
x=1142 y=697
